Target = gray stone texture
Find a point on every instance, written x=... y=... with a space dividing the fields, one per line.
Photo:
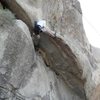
x=69 y=56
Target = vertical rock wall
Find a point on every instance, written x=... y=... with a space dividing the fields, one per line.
x=23 y=73
x=64 y=17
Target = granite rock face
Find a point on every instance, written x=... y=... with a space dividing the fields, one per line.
x=68 y=56
x=23 y=74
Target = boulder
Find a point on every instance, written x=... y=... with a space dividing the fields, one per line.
x=17 y=55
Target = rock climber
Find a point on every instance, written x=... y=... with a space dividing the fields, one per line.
x=39 y=27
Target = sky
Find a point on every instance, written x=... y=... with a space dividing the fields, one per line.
x=91 y=20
